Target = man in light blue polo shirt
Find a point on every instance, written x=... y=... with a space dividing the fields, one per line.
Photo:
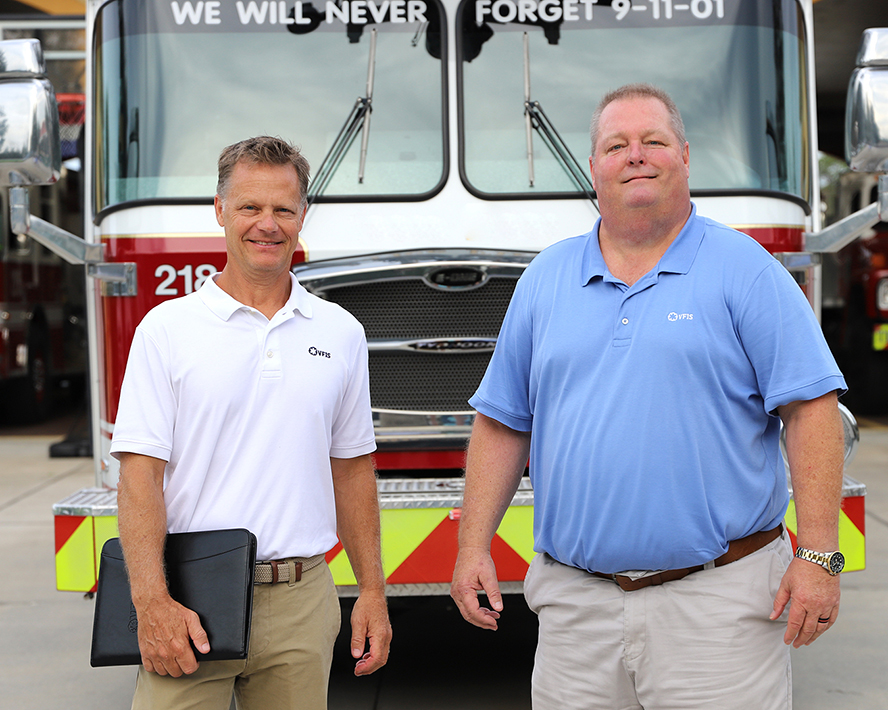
x=652 y=361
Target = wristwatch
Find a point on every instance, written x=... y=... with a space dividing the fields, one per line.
x=832 y=562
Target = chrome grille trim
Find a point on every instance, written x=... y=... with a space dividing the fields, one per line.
x=437 y=345
x=429 y=344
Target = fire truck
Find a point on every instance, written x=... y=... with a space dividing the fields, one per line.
x=448 y=139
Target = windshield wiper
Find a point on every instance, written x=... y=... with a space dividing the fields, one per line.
x=357 y=120
x=537 y=120
x=365 y=136
x=419 y=30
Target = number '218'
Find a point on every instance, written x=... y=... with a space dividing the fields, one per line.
x=193 y=278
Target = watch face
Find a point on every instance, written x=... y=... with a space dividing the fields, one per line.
x=836 y=562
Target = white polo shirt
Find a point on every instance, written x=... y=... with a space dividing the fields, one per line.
x=247 y=413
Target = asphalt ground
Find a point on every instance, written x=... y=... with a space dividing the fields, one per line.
x=437 y=660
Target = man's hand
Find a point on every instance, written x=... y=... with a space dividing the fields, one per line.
x=370 y=622
x=475 y=572
x=812 y=594
x=166 y=630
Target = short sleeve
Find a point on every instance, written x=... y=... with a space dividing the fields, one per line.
x=504 y=392
x=146 y=413
x=352 y=430
x=784 y=342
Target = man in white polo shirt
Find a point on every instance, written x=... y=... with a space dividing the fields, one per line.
x=246 y=404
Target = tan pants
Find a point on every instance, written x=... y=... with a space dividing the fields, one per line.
x=704 y=641
x=293 y=630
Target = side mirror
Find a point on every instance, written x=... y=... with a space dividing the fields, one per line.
x=866 y=112
x=30 y=148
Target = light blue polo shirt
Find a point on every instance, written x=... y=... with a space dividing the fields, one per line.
x=652 y=407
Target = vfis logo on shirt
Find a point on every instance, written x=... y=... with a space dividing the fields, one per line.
x=314 y=352
x=680 y=316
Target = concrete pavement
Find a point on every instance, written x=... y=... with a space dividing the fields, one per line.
x=847 y=668
x=438 y=661
x=44 y=652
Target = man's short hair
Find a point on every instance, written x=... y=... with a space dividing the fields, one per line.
x=262 y=150
x=636 y=91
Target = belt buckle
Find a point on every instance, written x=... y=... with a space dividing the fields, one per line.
x=625 y=583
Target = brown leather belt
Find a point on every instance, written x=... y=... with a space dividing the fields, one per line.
x=737 y=549
x=274 y=571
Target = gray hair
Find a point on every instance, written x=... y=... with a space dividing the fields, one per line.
x=636 y=91
x=262 y=150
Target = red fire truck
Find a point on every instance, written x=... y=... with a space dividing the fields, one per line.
x=448 y=139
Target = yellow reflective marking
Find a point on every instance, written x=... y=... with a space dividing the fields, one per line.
x=105 y=528
x=790 y=517
x=405 y=529
x=75 y=562
x=852 y=542
x=516 y=530
x=880 y=336
x=341 y=570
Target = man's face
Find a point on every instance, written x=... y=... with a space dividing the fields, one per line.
x=638 y=161
x=262 y=216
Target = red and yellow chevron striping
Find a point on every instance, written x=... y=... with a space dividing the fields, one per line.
x=78 y=544
x=419 y=545
x=852 y=531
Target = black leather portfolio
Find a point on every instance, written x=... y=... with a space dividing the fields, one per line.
x=208 y=572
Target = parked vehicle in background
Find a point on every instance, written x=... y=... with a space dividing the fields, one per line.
x=42 y=297
x=855 y=300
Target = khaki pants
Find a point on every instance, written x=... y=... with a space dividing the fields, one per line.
x=704 y=641
x=293 y=630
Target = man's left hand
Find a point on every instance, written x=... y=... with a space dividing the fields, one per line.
x=370 y=622
x=812 y=595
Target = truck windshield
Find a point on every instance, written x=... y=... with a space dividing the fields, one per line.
x=178 y=81
x=736 y=69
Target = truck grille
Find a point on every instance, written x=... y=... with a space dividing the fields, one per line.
x=414 y=310
x=425 y=382
x=409 y=309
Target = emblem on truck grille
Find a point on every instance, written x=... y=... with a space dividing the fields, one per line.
x=455 y=277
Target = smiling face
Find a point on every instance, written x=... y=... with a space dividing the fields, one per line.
x=639 y=166
x=261 y=214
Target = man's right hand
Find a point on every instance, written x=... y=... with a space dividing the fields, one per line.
x=475 y=572
x=166 y=630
